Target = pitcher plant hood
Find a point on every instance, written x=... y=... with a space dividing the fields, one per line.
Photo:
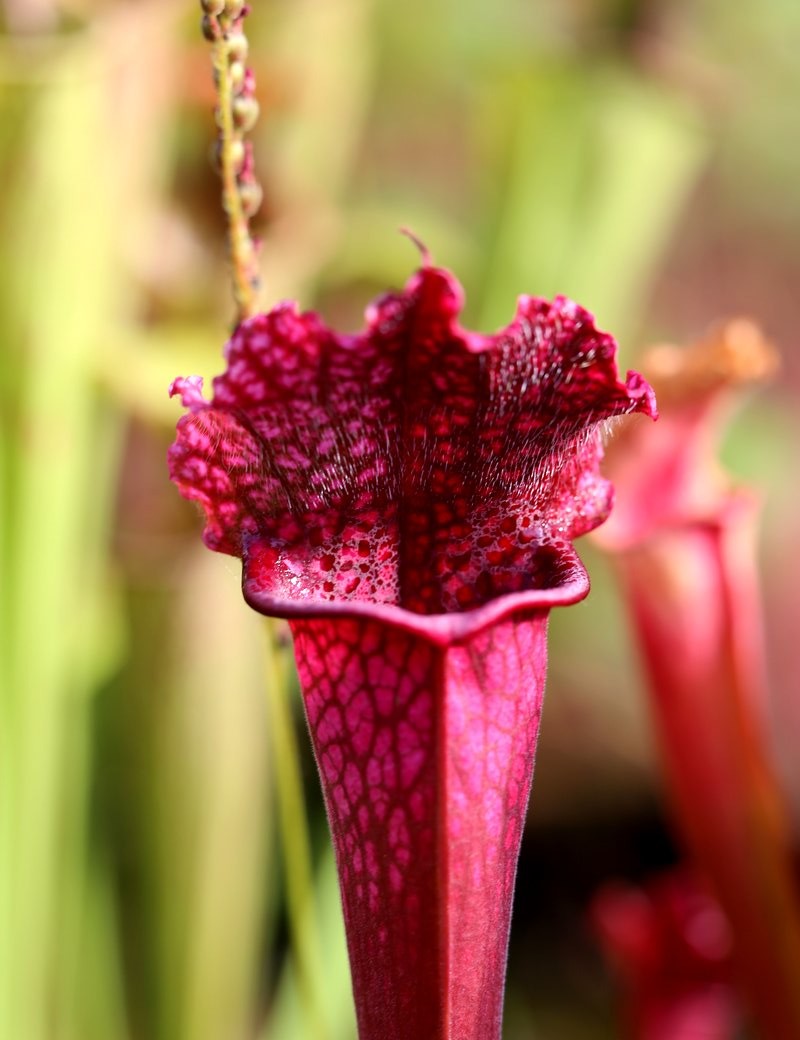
x=407 y=497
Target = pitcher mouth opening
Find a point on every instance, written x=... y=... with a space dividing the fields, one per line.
x=558 y=579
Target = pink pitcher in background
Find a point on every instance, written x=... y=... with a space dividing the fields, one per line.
x=684 y=543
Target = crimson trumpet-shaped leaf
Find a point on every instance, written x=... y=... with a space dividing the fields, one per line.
x=407 y=497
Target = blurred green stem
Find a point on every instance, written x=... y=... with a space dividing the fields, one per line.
x=59 y=497
x=293 y=829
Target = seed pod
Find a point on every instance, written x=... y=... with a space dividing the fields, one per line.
x=237 y=153
x=213 y=7
x=209 y=27
x=237 y=73
x=252 y=196
x=245 y=113
x=236 y=45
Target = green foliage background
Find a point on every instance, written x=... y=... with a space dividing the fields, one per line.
x=161 y=877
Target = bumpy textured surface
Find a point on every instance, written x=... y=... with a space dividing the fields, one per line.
x=407 y=496
x=415 y=464
x=426 y=757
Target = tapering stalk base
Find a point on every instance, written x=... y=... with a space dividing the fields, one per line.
x=426 y=758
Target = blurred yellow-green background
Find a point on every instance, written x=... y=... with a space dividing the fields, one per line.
x=642 y=156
